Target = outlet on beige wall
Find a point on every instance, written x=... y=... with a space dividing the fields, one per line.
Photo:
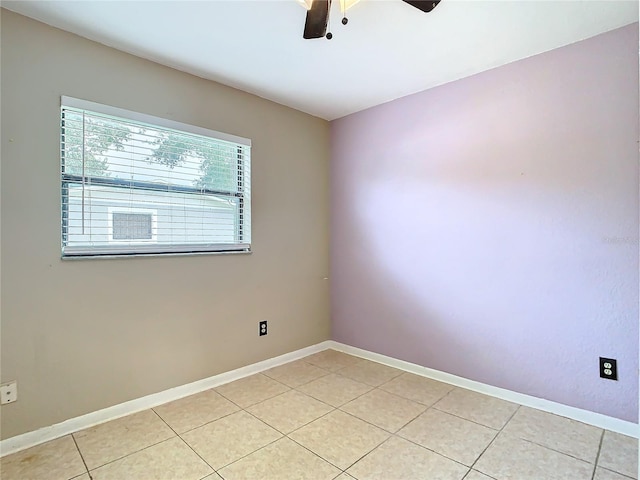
x=83 y=335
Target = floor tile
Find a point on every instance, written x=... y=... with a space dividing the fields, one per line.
x=55 y=460
x=296 y=373
x=229 y=439
x=384 y=410
x=335 y=389
x=371 y=373
x=289 y=411
x=509 y=457
x=453 y=437
x=619 y=453
x=115 y=439
x=332 y=360
x=473 y=475
x=419 y=389
x=602 y=474
x=251 y=390
x=169 y=460
x=283 y=459
x=195 y=410
x=438 y=430
x=558 y=433
x=489 y=411
x=400 y=459
x=340 y=438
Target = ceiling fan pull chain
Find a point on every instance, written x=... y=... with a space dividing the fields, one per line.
x=329 y=34
x=343 y=8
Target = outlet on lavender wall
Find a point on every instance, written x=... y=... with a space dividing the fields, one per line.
x=472 y=226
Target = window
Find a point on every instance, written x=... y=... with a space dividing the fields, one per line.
x=133 y=184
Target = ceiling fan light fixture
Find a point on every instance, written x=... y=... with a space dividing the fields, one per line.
x=344 y=4
x=347 y=4
x=305 y=3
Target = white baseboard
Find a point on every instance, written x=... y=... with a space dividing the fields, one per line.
x=30 y=439
x=584 y=416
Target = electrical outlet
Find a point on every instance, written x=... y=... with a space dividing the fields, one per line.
x=8 y=392
x=608 y=368
x=263 y=328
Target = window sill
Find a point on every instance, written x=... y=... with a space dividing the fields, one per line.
x=154 y=255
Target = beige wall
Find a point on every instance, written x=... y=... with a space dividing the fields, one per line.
x=83 y=335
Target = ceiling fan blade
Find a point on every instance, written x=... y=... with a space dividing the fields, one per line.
x=317 y=16
x=424 y=5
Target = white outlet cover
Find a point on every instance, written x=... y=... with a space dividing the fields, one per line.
x=8 y=392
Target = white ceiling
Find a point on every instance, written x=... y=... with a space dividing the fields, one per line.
x=388 y=49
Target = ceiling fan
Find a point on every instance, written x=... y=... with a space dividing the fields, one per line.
x=315 y=25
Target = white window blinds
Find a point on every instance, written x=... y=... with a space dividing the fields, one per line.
x=134 y=184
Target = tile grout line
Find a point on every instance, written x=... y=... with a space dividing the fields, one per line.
x=378 y=426
x=298 y=428
x=391 y=434
x=339 y=408
x=394 y=434
x=244 y=409
x=346 y=413
x=619 y=426
x=316 y=454
x=263 y=400
x=468 y=419
x=431 y=450
x=518 y=436
x=368 y=453
x=353 y=416
x=284 y=435
x=342 y=404
x=552 y=449
x=617 y=473
x=497 y=435
x=327 y=372
x=250 y=453
x=537 y=444
x=435 y=407
x=338 y=351
x=432 y=406
x=368 y=384
x=595 y=464
x=185 y=442
x=354 y=398
x=81 y=457
x=365 y=421
x=476 y=471
x=128 y=454
x=204 y=424
x=334 y=409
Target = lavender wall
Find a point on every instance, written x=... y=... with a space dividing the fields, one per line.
x=489 y=227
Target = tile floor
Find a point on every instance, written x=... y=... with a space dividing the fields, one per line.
x=333 y=416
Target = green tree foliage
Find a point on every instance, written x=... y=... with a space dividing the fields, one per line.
x=217 y=163
x=101 y=136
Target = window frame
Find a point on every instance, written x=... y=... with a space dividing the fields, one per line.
x=145 y=247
